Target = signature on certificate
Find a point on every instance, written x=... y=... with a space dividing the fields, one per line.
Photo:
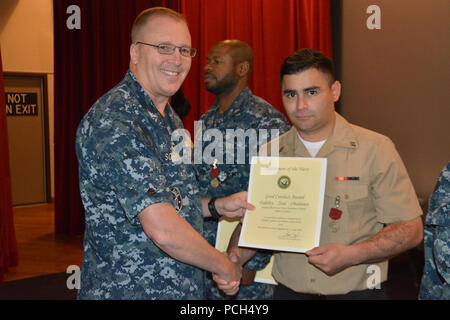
x=289 y=235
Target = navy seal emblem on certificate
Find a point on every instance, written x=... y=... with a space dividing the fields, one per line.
x=284 y=182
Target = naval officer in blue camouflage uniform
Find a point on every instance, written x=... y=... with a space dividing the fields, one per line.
x=144 y=215
x=237 y=112
x=436 y=274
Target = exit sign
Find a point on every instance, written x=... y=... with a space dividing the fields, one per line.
x=21 y=104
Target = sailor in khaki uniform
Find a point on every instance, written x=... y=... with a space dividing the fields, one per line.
x=371 y=212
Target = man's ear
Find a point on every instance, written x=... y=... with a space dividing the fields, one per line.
x=134 y=54
x=243 y=68
x=336 y=90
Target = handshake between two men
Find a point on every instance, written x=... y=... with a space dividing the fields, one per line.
x=177 y=237
x=233 y=207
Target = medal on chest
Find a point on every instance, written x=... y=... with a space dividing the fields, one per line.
x=214 y=173
x=335 y=215
x=217 y=176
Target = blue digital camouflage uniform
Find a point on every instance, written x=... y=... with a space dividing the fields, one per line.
x=246 y=112
x=436 y=273
x=124 y=148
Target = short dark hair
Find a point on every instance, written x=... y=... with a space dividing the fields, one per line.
x=240 y=52
x=304 y=59
x=143 y=17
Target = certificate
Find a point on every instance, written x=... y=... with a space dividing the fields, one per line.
x=224 y=232
x=288 y=194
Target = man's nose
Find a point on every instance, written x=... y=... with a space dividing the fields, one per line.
x=301 y=103
x=176 y=57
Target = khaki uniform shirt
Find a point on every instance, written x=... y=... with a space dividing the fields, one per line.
x=381 y=194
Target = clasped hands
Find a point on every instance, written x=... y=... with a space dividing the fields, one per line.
x=233 y=206
x=229 y=283
x=331 y=259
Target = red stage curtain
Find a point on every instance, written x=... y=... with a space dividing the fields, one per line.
x=8 y=245
x=90 y=61
x=274 y=29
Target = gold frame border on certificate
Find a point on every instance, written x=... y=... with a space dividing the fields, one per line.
x=280 y=181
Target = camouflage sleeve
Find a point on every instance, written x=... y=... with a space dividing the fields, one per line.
x=441 y=251
x=438 y=218
x=133 y=170
x=280 y=123
x=259 y=261
x=277 y=125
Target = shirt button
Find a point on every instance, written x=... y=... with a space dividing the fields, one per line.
x=346 y=197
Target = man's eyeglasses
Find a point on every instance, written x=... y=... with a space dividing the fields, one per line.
x=170 y=49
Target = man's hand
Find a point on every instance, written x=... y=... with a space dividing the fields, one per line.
x=229 y=284
x=248 y=277
x=234 y=206
x=390 y=241
x=235 y=255
x=331 y=258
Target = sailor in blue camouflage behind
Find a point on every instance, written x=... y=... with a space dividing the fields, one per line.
x=144 y=215
x=240 y=114
x=436 y=274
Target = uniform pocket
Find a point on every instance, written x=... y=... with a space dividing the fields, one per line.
x=359 y=206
